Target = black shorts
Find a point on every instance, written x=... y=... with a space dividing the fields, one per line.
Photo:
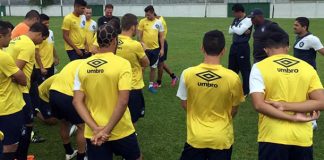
x=41 y=78
x=74 y=56
x=126 y=147
x=28 y=109
x=45 y=109
x=191 y=153
x=165 y=55
x=11 y=126
x=62 y=107
x=272 y=151
x=136 y=104
x=153 y=55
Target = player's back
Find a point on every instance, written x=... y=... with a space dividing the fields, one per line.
x=21 y=29
x=287 y=79
x=212 y=92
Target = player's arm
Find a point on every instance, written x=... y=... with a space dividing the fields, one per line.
x=56 y=57
x=67 y=39
x=237 y=95
x=161 y=39
x=39 y=62
x=182 y=92
x=140 y=53
x=20 y=78
x=10 y=69
x=140 y=35
x=241 y=29
x=317 y=45
x=145 y=62
x=234 y=111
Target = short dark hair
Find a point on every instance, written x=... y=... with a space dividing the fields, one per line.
x=39 y=27
x=80 y=2
x=32 y=14
x=276 y=39
x=128 y=20
x=89 y=7
x=214 y=42
x=149 y=8
x=4 y=27
x=303 y=21
x=237 y=7
x=105 y=34
x=44 y=17
x=109 y=6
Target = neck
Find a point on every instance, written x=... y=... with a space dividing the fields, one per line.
x=242 y=16
x=277 y=51
x=89 y=19
x=212 y=59
x=128 y=33
x=303 y=34
x=27 y=22
x=106 y=50
x=76 y=14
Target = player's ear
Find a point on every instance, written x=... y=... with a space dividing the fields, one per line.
x=202 y=49
x=223 y=52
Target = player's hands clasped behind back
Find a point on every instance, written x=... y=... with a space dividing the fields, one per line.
x=100 y=136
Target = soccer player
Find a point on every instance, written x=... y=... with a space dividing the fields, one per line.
x=22 y=50
x=109 y=128
x=91 y=28
x=261 y=26
x=239 y=56
x=61 y=96
x=306 y=45
x=133 y=51
x=48 y=55
x=74 y=31
x=210 y=94
x=281 y=77
x=162 y=65
x=12 y=102
x=22 y=28
x=109 y=8
x=151 y=32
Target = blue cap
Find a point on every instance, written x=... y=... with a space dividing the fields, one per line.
x=255 y=12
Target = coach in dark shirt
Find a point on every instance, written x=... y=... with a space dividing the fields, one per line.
x=108 y=16
x=261 y=27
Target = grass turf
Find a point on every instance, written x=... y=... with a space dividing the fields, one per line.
x=162 y=132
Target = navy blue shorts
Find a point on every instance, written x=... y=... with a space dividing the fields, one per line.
x=74 y=56
x=41 y=78
x=28 y=109
x=126 y=147
x=153 y=55
x=11 y=125
x=272 y=151
x=191 y=153
x=136 y=104
x=45 y=109
x=62 y=107
x=165 y=55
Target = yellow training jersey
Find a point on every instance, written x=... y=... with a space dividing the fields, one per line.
x=165 y=27
x=11 y=99
x=151 y=30
x=46 y=51
x=90 y=28
x=284 y=78
x=44 y=88
x=65 y=79
x=76 y=27
x=23 y=48
x=101 y=77
x=211 y=92
x=132 y=51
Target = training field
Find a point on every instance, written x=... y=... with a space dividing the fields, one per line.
x=162 y=132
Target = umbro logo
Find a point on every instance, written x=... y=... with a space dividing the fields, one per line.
x=286 y=62
x=120 y=42
x=208 y=76
x=96 y=63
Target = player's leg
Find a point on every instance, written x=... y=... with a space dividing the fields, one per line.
x=25 y=138
x=153 y=56
x=11 y=127
x=136 y=104
x=271 y=151
x=45 y=113
x=103 y=152
x=127 y=147
x=190 y=153
x=244 y=65
x=301 y=153
x=224 y=154
x=232 y=59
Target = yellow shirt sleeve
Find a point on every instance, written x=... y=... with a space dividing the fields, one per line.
x=7 y=65
x=140 y=51
x=315 y=83
x=140 y=26
x=237 y=91
x=66 y=24
x=125 y=77
x=26 y=54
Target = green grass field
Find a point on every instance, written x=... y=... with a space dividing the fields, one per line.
x=162 y=132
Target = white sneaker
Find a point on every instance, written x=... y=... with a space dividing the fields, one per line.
x=314 y=124
x=71 y=156
x=73 y=129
